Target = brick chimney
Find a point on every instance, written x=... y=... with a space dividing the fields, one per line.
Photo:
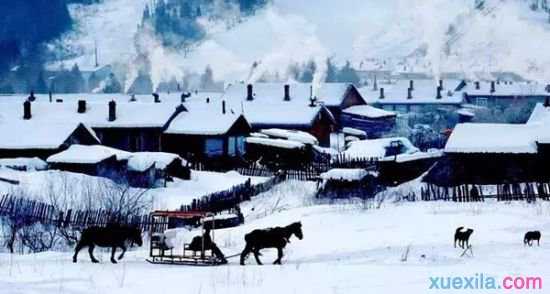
x=112 y=110
x=493 y=87
x=27 y=110
x=441 y=84
x=156 y=97
x=439 y=89
x=411 y=85
x=249 y=92
x=409 y=93
x=223 y=107
x=81 y=106
x=382 y=96
x=287 y=93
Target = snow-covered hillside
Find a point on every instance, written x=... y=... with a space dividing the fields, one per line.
x=345 y=249
x=429 y=35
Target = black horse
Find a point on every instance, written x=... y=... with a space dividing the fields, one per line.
x=463 y=237
x=270 y=238
x=530 y=237
x=111 y=236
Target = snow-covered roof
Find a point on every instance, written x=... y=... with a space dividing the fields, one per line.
x=377 y=148
x=203 y=119
x=84 y=154
x=280 y=143
x=345 y=174
x=369 y=111
x=141 y=161
x=128 y=114
x=33 y=163
x=21 y=134
x=292 y=135
x=506 y=89
x=331 y=94
x=424 y=92
x=268 y=103
x=492 y=138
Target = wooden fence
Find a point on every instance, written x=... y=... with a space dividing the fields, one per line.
x=30 y=211
x=473 y=193
x=230 y=198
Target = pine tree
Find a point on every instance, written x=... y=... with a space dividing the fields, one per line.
x=348 y=74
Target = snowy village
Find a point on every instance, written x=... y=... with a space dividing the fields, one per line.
x=246 y=146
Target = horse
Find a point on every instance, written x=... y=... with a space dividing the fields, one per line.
x=276 y=237
x=114 y=236
x=463 y=237
x=530 y=237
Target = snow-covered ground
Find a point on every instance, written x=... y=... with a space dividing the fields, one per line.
x=201 y=184
x=75 y=189
x=346 y=249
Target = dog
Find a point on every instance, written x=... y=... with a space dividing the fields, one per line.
x=463 y=237
x=530 y=237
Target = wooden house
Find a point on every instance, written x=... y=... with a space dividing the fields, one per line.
x=496 y=154
x=207 y=132
x=415 y=96
x=374 y=121
x=298 y=106
x=502 y=94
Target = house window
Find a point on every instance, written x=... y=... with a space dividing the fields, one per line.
x=241 y=145
x=213 y=147
x=232 y=146
x=236 y=146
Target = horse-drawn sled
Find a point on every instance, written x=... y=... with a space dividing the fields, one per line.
x=202 y=251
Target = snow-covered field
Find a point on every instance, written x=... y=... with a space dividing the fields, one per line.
x=346 y=249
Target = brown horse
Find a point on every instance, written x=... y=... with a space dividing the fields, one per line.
x=111 y=236
x=276 y=237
